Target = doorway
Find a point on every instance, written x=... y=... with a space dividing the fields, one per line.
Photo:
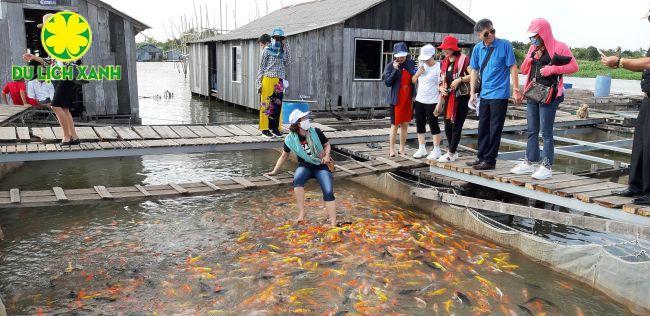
x=34 y=17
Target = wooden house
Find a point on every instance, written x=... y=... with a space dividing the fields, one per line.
x=113 y=44
x=149 y=52
x=339 y=50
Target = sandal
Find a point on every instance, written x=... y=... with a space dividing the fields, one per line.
x=74 y=142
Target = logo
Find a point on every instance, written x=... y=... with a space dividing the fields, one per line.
x=66 y=36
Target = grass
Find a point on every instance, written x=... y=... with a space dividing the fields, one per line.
x=591 y=69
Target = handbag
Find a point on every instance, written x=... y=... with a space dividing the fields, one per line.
x=330 y=166
x=539 y=93
x=463 y=89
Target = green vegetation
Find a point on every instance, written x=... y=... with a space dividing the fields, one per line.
x=591 y=69
x=589 y=61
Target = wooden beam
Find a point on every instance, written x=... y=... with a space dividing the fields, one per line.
x=388 y=162
x=178 y=188
x=346 y=170
x=211 y=185
x=142 y=190
x=243 y=182
x=276 y=181
x=14 y=196
x=103 y=192
x=60 y=194
x=587 y=222
x=366 y=165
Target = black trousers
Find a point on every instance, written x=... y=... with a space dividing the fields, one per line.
x=274 y=120
x=492 y=116
x=454 y=129
x=640 y=165
x=423 y=116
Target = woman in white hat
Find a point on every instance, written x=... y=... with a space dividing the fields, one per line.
x=314 y=161
x=427 y=98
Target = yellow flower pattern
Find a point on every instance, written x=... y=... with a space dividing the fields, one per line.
x=66 y=36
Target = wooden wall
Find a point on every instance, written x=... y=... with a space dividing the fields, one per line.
x=414 y=16
x=198 y=64
x=372 y=93
x=100 y=98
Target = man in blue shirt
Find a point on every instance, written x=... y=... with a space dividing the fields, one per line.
x=493 y=66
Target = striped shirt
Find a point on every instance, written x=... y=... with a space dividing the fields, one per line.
x=274 y=66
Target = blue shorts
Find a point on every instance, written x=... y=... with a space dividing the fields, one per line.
x=324 y=177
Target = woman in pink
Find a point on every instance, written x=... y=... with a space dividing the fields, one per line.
x=547 y=61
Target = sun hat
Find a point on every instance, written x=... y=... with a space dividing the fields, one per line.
x=449 y=42
x=278 y=32
x=296 y=115
x=45 y=19
x=400 y=50
x=426 y=52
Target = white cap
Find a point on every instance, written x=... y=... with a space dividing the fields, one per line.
x=296 y=115
x=401 y=54
x=531 y=34
x=426 y=52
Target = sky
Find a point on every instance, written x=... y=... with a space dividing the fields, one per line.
x=579 y=23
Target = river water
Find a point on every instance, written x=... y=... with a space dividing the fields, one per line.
x=241 y=254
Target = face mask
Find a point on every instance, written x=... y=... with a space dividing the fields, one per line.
x=305 y=124
x=535 y=41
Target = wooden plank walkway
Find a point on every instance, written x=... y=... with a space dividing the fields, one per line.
x=17 y=198
x=11 y=112
x=101 y=142
x=590 y=191
x=379 y=152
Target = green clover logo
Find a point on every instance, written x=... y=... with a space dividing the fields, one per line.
x=66 y=36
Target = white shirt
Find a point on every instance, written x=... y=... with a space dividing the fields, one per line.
x=40 y=90
x=428 y=92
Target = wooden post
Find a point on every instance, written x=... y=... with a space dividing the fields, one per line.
x=569 y=170
x=594 y=168
x=3 y=311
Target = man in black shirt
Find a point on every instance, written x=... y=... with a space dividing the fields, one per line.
x=640 y=164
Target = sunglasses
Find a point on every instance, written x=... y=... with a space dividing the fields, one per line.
x=486 y=33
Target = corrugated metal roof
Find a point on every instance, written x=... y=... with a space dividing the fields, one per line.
x=300 y=18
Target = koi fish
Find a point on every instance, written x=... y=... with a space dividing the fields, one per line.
x=462 y=298
x=437 y=292
x=448 y=306
x=421 y=302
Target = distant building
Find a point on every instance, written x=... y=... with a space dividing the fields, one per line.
x=113 y=44
x=149 y=52
x=173 y=55
x=339 y=49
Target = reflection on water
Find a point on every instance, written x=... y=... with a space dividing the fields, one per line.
x=157 y=77
x=147 y=170
x=237 y=254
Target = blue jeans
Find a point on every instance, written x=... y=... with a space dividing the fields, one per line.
x=491 y=117
x=324 y=177
x=541 y=116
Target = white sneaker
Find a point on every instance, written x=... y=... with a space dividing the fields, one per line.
x=421 y=153
x=543 y=173
x=523 y=167
x=443 y=158
x=448 y=158
x=435 y=153
x=453 y=157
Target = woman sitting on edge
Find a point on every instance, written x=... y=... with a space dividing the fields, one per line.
x=313 y=151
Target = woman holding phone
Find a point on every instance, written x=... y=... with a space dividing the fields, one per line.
x=398 y=76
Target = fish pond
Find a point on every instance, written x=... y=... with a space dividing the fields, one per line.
x=242 y=254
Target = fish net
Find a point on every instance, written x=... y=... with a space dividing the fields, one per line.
x=621 y=270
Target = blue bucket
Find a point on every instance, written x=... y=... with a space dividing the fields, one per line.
x=568 y=86
x=603 y=86
x=289 y=105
